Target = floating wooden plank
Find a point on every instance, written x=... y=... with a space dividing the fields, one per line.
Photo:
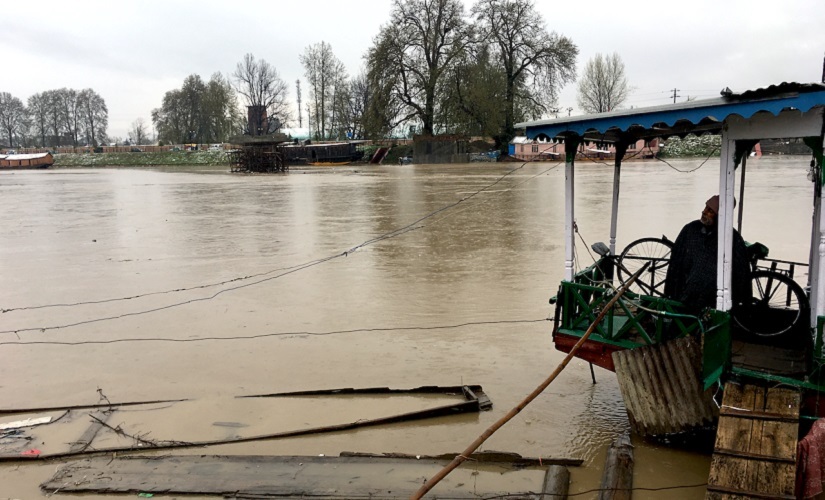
x=486 y=456
x=98 y=420
x=294 y=477
x=9 y=411
x=470 y=392
x=755 y=451
x=617 y=479
x=28 y=422
x=662 y=390
x=469 y=406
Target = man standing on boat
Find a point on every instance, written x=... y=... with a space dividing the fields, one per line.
x=691 y=274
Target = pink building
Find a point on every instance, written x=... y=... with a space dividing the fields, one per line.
x=526 y=149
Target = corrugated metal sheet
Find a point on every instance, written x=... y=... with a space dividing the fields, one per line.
x=662 y=388
x=692 y=117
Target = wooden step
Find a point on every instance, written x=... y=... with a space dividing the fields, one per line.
x=755 y=451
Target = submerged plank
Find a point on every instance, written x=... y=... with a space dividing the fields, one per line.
x=302 y=476
x=471 y=406
x=486 y=456
x=98 y=420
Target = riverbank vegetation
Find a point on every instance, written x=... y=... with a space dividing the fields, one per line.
x=141 y=159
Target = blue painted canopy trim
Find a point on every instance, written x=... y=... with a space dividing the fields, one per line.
x=696 y=113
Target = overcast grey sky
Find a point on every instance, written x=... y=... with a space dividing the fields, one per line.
x=131 y=53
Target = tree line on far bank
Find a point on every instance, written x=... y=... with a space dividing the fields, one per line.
x=53 y=118
x=432 y=69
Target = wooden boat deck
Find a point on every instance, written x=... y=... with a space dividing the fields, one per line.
x=755 y=451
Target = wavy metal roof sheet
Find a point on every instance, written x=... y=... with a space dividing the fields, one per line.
x=662 y=390
x=693 y=117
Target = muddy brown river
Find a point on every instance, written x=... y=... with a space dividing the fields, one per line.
x=242 y=285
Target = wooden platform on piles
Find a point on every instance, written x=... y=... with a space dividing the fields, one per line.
x=755 y=451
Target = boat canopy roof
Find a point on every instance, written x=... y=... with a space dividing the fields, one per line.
x=30 y=156
x=698 y=117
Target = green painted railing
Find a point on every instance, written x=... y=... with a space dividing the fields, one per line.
x=634 y=321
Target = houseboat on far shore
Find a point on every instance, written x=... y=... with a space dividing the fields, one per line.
x=26 y=161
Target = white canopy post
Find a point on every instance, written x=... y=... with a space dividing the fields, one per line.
x=614 y=214
x=813 y=253
x=570 y=146
x=727 y=181
x=819 y=297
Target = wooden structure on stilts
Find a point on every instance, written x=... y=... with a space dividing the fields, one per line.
x=259 y=154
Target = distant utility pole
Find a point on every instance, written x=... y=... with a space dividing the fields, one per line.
x=675 y=95
x=298 y=93
x=569 y=110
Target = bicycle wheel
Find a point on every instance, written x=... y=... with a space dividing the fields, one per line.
x=779 y=304
x=640 y=252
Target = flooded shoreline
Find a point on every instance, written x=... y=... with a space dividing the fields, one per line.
x=253 y=284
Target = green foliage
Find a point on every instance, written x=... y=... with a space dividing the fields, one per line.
x=141 y=159
x=691 y=145
x=198 y=112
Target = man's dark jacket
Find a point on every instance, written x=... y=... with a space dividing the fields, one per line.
x=691 y=274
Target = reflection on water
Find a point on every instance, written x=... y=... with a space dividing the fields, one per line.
x=490 y=262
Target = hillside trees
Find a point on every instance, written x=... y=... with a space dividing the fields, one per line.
x=262 y=88
x=536 y=63
x=412 y=54
x=12 y=115
x=603 y=86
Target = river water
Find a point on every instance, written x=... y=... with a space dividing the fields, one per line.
x=301 y=282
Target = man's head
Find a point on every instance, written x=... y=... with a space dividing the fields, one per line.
x=711 y=210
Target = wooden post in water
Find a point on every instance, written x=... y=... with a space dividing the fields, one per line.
x=617 y=479
x=556 y=483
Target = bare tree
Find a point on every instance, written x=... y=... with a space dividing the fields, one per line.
x=326 y=76
x=260 y=84
x=54 y=115
x=536 y=63
x=413 y=52
x=355 y=105
x=94 y=115
x=69 y=106
x=12 y=114
x=603 y=86
x=38 y=106
x=137 y=134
